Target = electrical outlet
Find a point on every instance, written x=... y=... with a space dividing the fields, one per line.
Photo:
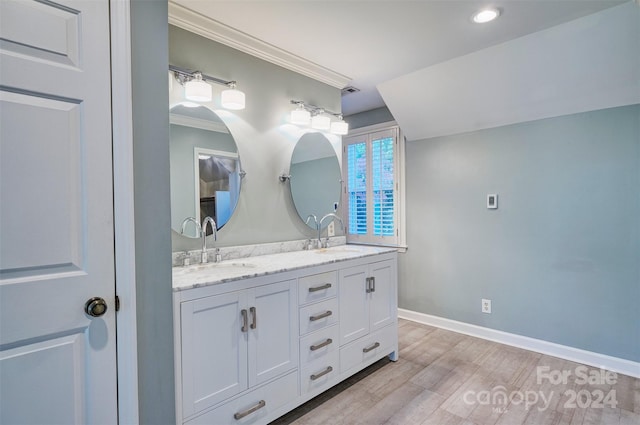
x=331 y=229
x=486 y=306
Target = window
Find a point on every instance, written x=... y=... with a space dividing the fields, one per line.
x=372 y=168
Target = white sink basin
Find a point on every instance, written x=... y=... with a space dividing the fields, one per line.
x=225 y=265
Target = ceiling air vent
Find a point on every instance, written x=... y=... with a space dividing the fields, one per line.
x=348 y=90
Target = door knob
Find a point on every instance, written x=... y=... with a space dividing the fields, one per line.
x=95 y=307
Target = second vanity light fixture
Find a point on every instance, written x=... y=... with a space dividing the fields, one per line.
x=318 y=117
x=197 y=88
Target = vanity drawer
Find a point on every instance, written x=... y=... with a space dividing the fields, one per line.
x=318 y=344
x=367 y=349
x=319 y=315
x=317 y=287
x=260 y=402
x=322 y=373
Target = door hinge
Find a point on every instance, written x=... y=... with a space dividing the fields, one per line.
x=117 y=303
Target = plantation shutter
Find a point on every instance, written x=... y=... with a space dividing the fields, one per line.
x=370 y=168
x=357 y=188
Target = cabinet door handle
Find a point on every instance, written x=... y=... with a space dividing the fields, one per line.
x=320 y=288
x=254 y=318
x=373 y=347
x=245 y=320
x=320 y=316
x=368 y=287
x=373 y=283
x=240 y=415
x=321 y=374
x=322 y=344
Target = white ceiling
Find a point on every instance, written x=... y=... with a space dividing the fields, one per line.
x=375 y=41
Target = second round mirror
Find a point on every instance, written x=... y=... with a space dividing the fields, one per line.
x=315 y=177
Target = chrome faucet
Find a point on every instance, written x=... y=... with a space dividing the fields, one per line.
x=208 y=220
x=326 y=243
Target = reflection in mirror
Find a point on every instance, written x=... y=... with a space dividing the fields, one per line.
x=205 y=169
x=315 y=177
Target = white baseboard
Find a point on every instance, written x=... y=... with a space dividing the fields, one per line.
x=614 y=364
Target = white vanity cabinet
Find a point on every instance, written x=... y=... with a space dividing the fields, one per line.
x=250 y=349
x=234 y=341
x=368 y=313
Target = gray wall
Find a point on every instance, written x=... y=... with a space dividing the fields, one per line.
x=560 y=258
x=374 y=116
x=152 y=217
x=265 y=212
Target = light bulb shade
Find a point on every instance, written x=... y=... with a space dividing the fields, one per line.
x=340 y=128
x=232 y=99
x=197 y=91
x=300 y=117
x=320 y=122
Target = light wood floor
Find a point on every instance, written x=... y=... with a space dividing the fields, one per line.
x=446 y=378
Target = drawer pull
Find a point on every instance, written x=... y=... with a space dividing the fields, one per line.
x=245 y=320
x=321 y=374
x=321 y=316
x=320 y=288
x=368 y=283
x=249 y=411
x=373 y=347
x=254 y=318
x=322 y=344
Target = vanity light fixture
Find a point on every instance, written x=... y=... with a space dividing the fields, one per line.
x=339 y=127
x=485 y=15
x=231 y=98
x=300 y=115
x=319 y=121
x=319 y=118
x=197 y=88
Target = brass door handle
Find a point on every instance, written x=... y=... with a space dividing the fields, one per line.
x=95 y=307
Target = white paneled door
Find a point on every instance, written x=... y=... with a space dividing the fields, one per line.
x=57 y=361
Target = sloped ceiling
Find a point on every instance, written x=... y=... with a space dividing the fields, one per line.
x=586 y=64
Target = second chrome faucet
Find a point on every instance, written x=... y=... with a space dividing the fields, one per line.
x=208 y=220
x=326 y=241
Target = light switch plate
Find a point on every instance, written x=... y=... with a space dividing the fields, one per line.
x=492 y=201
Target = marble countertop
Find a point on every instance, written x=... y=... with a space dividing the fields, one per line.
x=226 y=271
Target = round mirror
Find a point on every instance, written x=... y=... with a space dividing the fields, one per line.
x=316 y=180
x=205 y=169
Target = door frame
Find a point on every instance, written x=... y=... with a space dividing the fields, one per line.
x=123 y=211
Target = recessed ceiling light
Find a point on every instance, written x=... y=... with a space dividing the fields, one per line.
x=485 y=15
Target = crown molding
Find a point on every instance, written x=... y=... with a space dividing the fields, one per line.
x=202 y=25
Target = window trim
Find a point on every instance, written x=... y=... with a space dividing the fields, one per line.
x=399 y=171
